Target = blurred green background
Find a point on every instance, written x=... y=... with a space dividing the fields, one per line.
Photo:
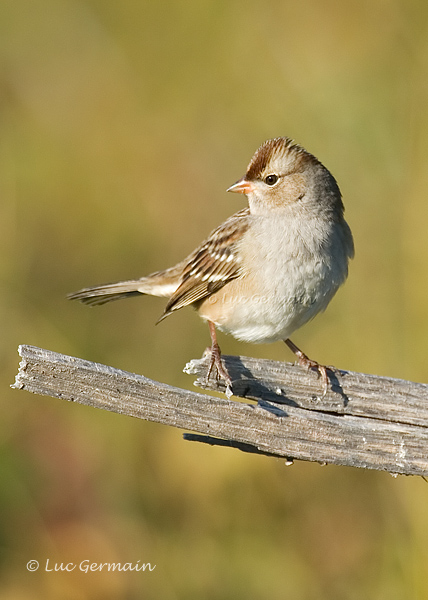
x=121 y=126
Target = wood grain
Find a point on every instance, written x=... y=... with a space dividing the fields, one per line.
x=363 y=421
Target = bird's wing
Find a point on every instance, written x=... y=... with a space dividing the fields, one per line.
x=212 y=265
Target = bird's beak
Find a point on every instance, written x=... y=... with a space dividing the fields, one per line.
x=241 y=187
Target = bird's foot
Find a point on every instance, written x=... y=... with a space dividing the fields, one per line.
x=308 y=363
x=220 y=369
x=304 y=361
x=216 y=361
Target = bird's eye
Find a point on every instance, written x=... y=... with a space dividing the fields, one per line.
x=271 y=179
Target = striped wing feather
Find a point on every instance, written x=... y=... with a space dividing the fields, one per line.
x=212 y=265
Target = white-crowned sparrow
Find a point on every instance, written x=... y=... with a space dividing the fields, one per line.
x=270 y=267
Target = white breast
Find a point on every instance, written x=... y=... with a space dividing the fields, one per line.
x=297 y=266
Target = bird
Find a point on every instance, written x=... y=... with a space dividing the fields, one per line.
x=269 y=268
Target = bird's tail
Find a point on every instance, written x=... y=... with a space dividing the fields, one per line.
x=161 y=283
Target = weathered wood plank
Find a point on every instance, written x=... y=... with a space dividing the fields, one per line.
x=287 y=429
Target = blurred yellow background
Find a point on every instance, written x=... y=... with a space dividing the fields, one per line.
x=121 y=126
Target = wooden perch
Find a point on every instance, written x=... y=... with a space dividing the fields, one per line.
x=363 y=421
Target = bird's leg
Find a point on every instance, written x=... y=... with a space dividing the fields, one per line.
x=305 y=361
x=217 y=362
